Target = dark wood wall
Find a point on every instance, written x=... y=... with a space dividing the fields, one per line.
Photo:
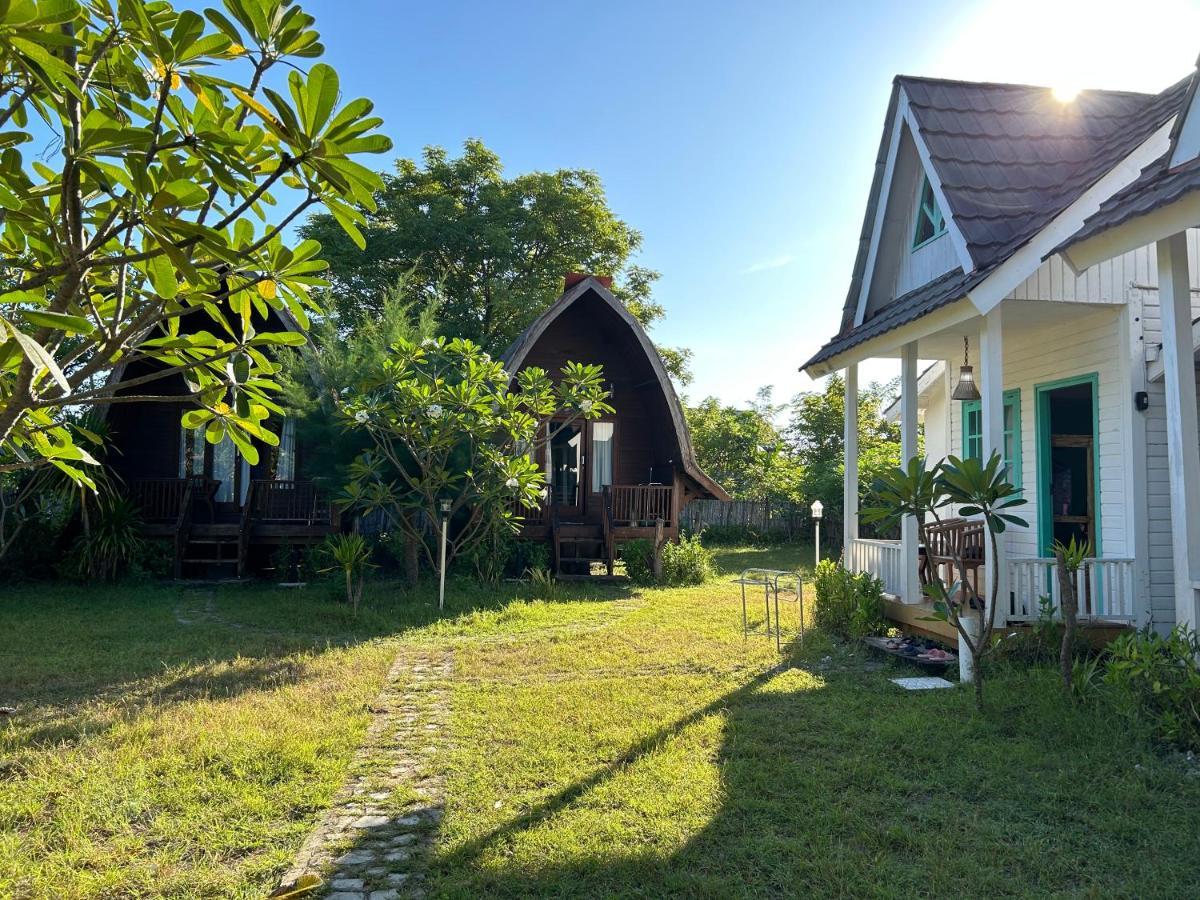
x=590 y=332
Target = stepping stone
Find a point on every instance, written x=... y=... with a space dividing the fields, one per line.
x=356 y=858
x=370 y=822
x=347 y=884
x=922 y=684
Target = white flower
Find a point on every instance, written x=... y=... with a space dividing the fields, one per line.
x=544 y=493
x=487 y=357
x=429 y=342
x=434 y=410
x=586 y=406
x=511 y=483
x=362 y=417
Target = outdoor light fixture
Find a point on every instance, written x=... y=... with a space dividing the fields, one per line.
x=445 y=504
x=818 y=510
x=966 y=389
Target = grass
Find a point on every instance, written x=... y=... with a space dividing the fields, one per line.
x=606 y=742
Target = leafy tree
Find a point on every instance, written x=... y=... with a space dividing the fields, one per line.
x=816 y=433
x=743 y=449
x=446 y=425
x=149 y=240
x=494 y=249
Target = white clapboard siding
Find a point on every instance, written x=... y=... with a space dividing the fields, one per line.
x=1086 y=343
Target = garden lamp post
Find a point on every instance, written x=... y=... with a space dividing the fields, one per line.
x=442 y=564
x=818 y=510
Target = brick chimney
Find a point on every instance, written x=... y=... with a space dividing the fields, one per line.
x=573 y=278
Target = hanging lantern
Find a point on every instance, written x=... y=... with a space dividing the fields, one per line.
x=966 y=389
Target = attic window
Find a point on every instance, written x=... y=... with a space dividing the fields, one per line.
x=930 y=221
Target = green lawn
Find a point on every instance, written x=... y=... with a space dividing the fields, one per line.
x=604 y=742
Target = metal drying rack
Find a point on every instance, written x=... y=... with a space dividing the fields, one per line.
x=769 y=580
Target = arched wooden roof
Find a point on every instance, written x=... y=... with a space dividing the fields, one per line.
x=514 y=359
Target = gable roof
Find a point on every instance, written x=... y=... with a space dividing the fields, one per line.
x=514 y=358
x=1009 y=158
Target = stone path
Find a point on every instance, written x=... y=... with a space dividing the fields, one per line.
x=373 y=842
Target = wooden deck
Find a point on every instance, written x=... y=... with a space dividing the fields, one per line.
x=915 y=618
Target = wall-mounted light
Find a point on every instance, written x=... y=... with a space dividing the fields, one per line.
x=966 y=388
x=1141 y=401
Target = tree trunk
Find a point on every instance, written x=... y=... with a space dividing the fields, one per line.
x=412 y=560
x=1070 y=607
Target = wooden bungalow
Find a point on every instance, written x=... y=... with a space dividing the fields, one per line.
x=223 y=515
x=629 y=474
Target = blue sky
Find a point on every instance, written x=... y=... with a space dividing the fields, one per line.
x=738 y=137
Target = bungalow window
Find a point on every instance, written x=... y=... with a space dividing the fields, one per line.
x=931 y=222
x=191 y=451
x=285 y=467
x=973 y=433
x=602 y=456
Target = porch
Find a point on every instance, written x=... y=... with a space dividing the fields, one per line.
x=593 y=534
x=207 y=533
x=1105 y=586
x=1049 y=403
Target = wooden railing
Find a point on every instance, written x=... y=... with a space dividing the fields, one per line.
x=1105 y=587
x=160 y=499
x=884 y=560
x=641 y=504
x=527 y=515
x=288 y=501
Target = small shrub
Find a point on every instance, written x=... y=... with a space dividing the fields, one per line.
x=295 y=564
x=687 y=561
x=1157 y=679
x=639 y=561
x=848 y=605
x=545 y=586
x=112 y=544
x=1041 y=643
x=351 y=555
x=528 y=556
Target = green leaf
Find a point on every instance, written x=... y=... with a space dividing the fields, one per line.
x=162 y=276
x=322 y=94
x=37 y=355
x=59 y=321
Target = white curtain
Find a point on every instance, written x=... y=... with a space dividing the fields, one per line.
x=285 y=468
x=225 y=460
x=602 y=455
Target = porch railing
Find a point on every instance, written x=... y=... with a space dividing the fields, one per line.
x=1105 y=587
x=288 y=501
x=634 y=504
x=159 y=498
x=883 y=559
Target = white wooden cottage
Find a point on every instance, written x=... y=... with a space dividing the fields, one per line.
x=1059 y=240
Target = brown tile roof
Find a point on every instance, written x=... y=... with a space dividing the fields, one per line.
x=1010 y=158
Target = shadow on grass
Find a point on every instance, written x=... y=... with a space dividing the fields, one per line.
x=859 y=789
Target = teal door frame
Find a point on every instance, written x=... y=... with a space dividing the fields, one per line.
x=1041 y=396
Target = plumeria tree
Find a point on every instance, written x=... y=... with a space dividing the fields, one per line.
x=187 y=143
x=927 y=493
x=448 y=423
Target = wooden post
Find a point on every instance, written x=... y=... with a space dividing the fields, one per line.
x=908 y=449
x=656 y=562
x=850 y=478
x=1183 y=436
x=991 y=377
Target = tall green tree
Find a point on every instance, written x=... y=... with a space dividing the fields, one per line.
x=175 y=141
x=743 y=449
x=494 y=249
x=815 y=431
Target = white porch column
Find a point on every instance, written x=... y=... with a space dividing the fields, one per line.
x=1183 y=437
x=908 y=449
x=850 y=478
x=991 y=389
